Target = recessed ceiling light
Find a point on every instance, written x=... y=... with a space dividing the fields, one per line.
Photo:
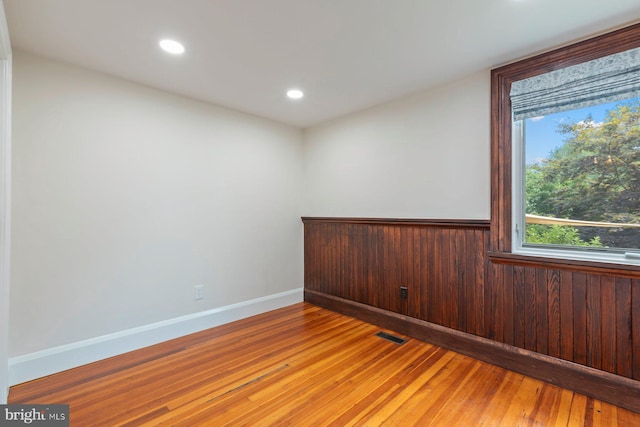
x=295 y=93
x=172 y=46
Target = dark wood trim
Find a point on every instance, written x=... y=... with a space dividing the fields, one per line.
x=618 y=270
x=592 y=382
x=500 y=238
x=475 y=223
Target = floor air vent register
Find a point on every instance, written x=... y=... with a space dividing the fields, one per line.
x=391 y=338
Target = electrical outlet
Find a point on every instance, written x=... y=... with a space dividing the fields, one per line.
x=404 y=292
x=199 y=292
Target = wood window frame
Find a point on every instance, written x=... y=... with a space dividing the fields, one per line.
x=501 y=250
x=501 y=131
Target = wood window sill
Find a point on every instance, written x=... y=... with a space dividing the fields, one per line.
x=632 y=271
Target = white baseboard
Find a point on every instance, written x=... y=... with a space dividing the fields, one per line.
x=46 y=362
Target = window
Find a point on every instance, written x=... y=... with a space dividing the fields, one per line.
x=566 y=152
x=577 y=174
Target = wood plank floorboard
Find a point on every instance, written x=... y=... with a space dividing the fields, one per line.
x=306 y=366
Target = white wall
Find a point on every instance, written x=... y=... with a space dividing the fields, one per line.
x=125 y=198
x=425 y=156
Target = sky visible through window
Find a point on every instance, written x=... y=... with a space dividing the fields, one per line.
x=543 y=135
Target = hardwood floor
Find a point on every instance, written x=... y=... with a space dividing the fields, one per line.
x=302 y=366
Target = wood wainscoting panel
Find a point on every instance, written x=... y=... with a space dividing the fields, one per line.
x=585 y=313
x=442 y=264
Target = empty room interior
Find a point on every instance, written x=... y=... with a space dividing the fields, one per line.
x=310 y=212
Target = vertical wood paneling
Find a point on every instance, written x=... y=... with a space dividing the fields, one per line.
x=460 y=258
x=508 y=305
x=635 y=324
x=407 y=265
x=530 y=312
x=566 y=315
x=608 y=291
x=454 y=281
x=342 y=262
x=623 y=327
x=519 y=306
x=594 y=322
x=346 y=258
x=495 y=316
x=542 y=312
x=438 y=279
x=388 y=267
x=444 y=268
x=379 y=267
x=470 y=298
x=328 y=280
x=579 y=318
x=365 y=254
x=416 y=300
x=433 y=300
x=335 y=266
x=584 y=317
x=553 y=294
x=395 y=279
x=354 y=262
x=477 y=306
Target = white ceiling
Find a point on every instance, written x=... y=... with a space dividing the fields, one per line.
x=346 y=55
